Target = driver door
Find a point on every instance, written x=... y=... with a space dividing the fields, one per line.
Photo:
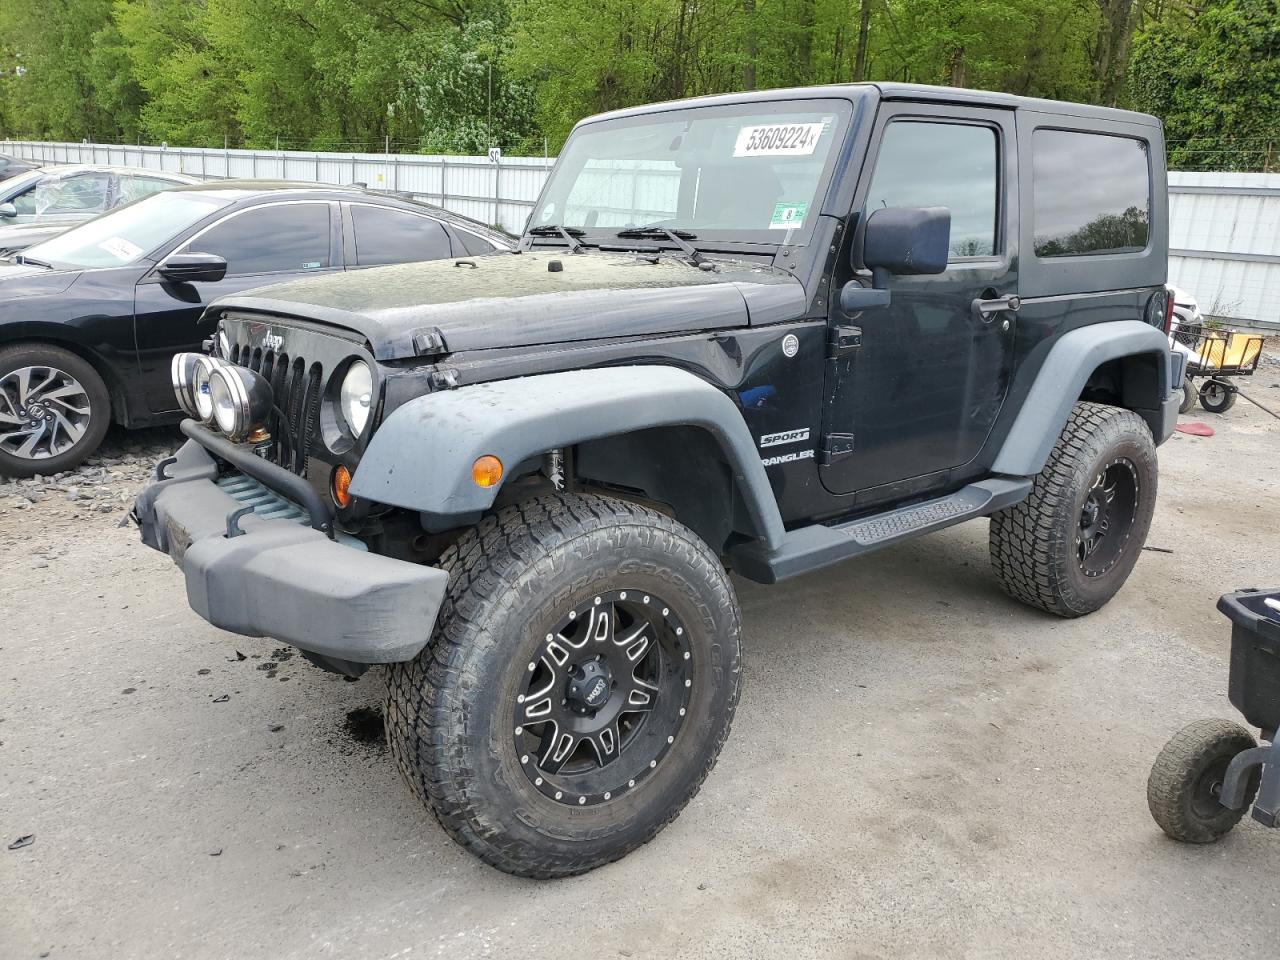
x=262 y=245
x=913 y=397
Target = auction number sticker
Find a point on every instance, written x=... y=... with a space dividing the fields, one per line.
x=778 y=140
x=120 y=248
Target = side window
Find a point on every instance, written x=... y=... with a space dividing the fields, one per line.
x=1092 y=193
x=135 y=188
x=923 y=164
x=273 y=239
x=25 y=202
x=384 y=235
x=474 y=245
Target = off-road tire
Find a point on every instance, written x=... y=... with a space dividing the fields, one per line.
x=1179 y=790
x=1033 y=543
x=1217 y=397
x=448 y=712
x=1189 y=397
x=45 y=355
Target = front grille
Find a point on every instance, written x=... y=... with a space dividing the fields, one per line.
x=296 y=386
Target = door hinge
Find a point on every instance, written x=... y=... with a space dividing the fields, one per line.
x=843 y=340
x=835 y=446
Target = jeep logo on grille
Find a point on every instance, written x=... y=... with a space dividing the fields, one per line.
x=273 y=341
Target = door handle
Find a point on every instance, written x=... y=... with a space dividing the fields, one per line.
x=986 y=310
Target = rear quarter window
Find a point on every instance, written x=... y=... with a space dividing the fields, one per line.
x=1091 y=194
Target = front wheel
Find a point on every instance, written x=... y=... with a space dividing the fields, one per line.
x=54 y=410
x=579 y=685
x=1186 y=781
x=1069 y=546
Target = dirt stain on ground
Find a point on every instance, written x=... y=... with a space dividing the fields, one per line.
x=364 y=725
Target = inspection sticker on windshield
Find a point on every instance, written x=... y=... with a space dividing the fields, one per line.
x=788 y=216
x=778 y=140
x=120 y=248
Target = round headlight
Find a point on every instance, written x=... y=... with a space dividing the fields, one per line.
x=356 y=397
x=240 y=400
x=201 y=402
x=226 y=408
x=182 y=371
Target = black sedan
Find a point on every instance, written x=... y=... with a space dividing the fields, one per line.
x=90 y=319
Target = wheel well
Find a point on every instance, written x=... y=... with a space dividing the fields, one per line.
x=679 y=469
x=115 y=389
x=1135 y=382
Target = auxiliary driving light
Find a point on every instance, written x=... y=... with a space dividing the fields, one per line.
x=183 y=371
x=239 y=400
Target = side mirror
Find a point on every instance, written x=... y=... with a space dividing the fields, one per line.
x=8 y=210
x=899 y=240
x=193 y=268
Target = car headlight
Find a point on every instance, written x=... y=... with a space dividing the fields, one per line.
x=190 y=375
x=356 y=397
x=239 y=399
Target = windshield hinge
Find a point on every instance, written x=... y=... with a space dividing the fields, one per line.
x=445 y=379
x=429 y=343
x=835 y=446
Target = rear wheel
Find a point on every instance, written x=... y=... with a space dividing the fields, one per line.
x=579 y=685
x=1188 y=397
x=1186 y=781
x=54 y=410
x=1070 y=545
x=1217 y=397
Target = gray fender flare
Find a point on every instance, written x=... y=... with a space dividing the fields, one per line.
x=420 y=457
x=1062 y=377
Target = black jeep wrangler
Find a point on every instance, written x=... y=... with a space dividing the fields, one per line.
x=758 y=333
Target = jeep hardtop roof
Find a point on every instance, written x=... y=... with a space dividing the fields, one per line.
x=894 y=91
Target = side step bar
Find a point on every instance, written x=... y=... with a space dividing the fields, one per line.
x=809 y=548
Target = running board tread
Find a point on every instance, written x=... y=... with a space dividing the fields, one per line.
x=816 y=546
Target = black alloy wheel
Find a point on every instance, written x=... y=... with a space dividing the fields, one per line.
x=1106 y=518
x=605 y=698
x=578 y=686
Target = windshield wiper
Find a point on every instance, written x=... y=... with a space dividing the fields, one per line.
x=31 y=261
x=570 y=234
x=679 y=237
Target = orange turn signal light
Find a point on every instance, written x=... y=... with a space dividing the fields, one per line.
x=342 y=486
x=486 y=471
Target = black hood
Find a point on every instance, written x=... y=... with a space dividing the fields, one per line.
x=523 y=299
x=18 y=281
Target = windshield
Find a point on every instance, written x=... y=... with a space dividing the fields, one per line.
x=127 y=234
x=743 y=172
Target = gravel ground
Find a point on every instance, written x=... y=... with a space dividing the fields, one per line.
x=920 y=767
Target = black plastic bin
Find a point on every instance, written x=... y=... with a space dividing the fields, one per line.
x=1254 y=687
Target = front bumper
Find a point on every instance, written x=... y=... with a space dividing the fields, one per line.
x=262 y=576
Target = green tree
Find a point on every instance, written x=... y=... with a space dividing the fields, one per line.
x=1215 y=81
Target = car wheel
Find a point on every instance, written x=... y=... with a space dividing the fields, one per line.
x=54 y=410
x=1188 y=397
x=1217 y=397
x=1186 y=781
x=1069 y=546
x=579 y=684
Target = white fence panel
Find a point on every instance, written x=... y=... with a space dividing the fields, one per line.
x=501 y=193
